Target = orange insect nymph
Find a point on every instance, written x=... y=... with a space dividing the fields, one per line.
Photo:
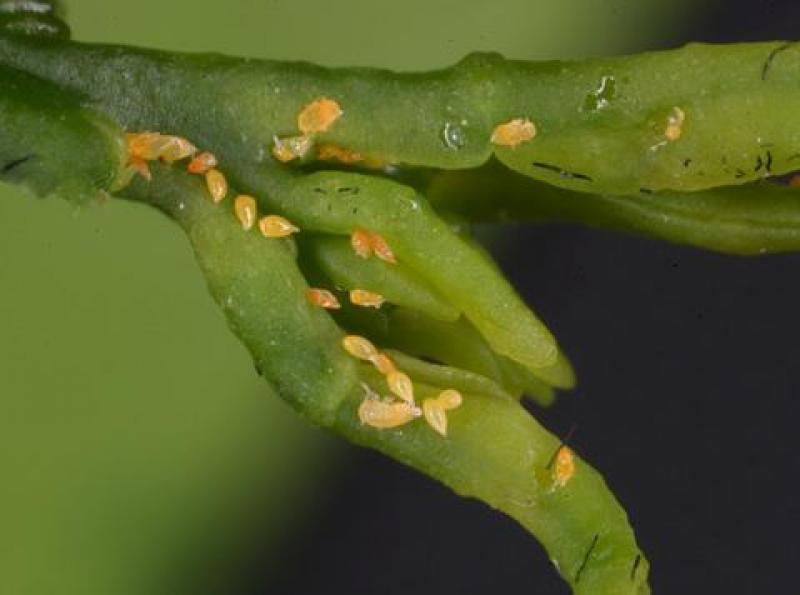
x=435 y=410
x=400 y=384
x=145 y=145
x=367 y=299
x=246 y=211
x=383 y=363
x=381 y=248
x=202 y=163
x=217 y=185
x=336 y=153
x=675 y=122
x=359 y=347
x=360 y=241
x=323 y=298
x=318 y=116
x=275 y=226
x=513 y=132
x=564 y=466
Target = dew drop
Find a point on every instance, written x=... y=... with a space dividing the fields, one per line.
x=602 y=96
x=453 y=136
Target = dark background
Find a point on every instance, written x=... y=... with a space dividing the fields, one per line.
x=687 y=403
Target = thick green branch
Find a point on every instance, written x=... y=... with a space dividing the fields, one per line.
x=739 y=126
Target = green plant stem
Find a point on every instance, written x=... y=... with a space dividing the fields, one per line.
x=603 y=137
x=740 y=127
x=753 y=219
x=495 y=450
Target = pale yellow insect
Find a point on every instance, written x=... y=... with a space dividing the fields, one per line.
x=564 y=466
x=153 y=145
x=291 y=148
x=175 y=148
x=363 y=349
x=149 y=146
x=323 y=298
x=400 y=384
x=360 y=241
x=202 y=163
x=435 y=410
x=513 y=132
x=246 y=210
x=383 y=363
x=367 y=299
x=450 y=399
x=275 y=226
x=435 y=415
x=385 y=414
x=318 y=116
x=217 y=185
x=675 y=123
x=359 y=347
x=381 y=248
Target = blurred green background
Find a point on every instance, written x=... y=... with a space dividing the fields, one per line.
x=139 y=451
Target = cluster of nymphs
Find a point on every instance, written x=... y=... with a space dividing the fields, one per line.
x=319 y=115
x=387 y=412
x=150 y=146
x=365 y=244
x=400 y=407
x=315 y=118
